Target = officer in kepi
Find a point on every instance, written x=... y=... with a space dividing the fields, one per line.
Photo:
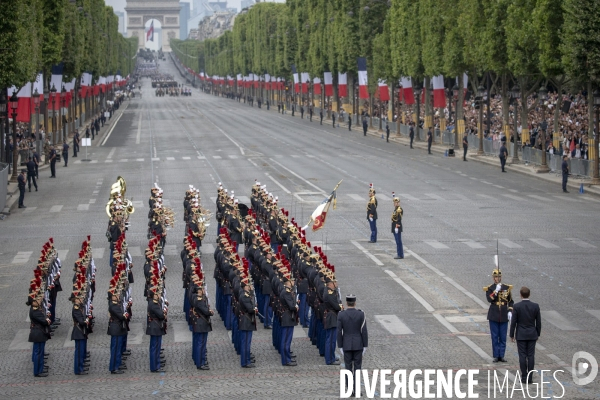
x=352 y=335
x=372 y=214
x=501 y=303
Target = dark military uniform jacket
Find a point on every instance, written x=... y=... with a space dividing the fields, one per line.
x=352 y=332
x=247 y=317
x=288 y=306
x=500 y=304
x=372 y=208
x=200 y=315
x=156 y=317
x=332 y=307
x=40 y=331
x=80 y=328
x=397 y=219
x=116 y=322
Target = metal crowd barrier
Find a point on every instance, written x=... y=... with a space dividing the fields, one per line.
x=3 y=185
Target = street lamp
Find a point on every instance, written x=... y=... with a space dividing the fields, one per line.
x=36 y=103
x=480 y=95
x=515 y=93
x=54 y=125
x=596 y=169
x=2 y=115
x=63 y=98
x=543 y=95
x=14 y=103
x=455 y=98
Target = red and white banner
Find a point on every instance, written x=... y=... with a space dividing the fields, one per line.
x=305 y=81
x=363 y=89
x=328 y=84
x=342 y=84
x=439 y=92
x=316 y=86
x=267 y=81
x=382 y=90
x=407 y=90
x=296 y=88
x=150 y=33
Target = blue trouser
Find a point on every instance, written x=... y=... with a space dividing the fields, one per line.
x=22 y=195
x=330 y=338
x=564 y=181
x=312 y=328
x=52 y=310
x=274 y=246
x=267 y=310
x=303 y=310
x=320 y=337
x=246 y=343
x=227 y=311
x=124 y=343
x=199 y=350
x=79 y=356
x=373 y=225
x=235 y=335
x=218 y=294
x=277 y=334
x=399 y=248
x=287 y=333
x=155 y=352
x=498 y=331
x=38 y=357
x=502 y=162
x=115 y=352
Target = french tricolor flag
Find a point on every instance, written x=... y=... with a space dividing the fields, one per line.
x=407 y=90
x=439 y=92
x=328 y=84
x=296 y=78
x=343 y=84
x=305 y=81
x=384 y=92
x=317 y=86
x=363 y=90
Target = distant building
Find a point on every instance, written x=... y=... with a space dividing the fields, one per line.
x=122 y=29
x=184 y=16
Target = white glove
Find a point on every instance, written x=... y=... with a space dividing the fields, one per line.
x=371 y=219
x=342 y=351
x=364 y=350
x=396 y=230
x=498 y=287
x=509 y=316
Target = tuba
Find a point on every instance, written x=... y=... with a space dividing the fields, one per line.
x=119 y=188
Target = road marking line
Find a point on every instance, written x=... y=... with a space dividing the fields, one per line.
x=201 y=158
x=98 y=253
x=83 y=207
x=62 y=254
x=475 y=348
x=139 y=130
x=567 y=198
x=29 y=209
x=466 y=318
x=20 y=341
x=371 y=256
x=94 y=162
x=138 y=203
x=135 y=251
x=233 y=156
x=383 y=197
x=217 y=157
x=181 y=332
x=393 y=325
x=544 y=243
x=298 y=176
x=409 y=197
x=595 y=313
x=356 y=197
x=533 y=196
x=111 y=129
x=450 y=280
x=509 y=244
x=559 y=321
x=485 y=196
x=111 y=153
x=434 y=196
x=22 y=257
x=319 y=243
x=185 y=158
x=446 y=323
x=510 y=196
x=581 y=243
x=278 y=184
x=436 y=245
x=414 y=294
x=472 y=244
x=56 y=208
x=170 y=158
x=68 y=342
x=589 y=199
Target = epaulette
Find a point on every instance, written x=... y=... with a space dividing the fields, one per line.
x=330 y=291
x=114 y=302
x=35 y=308
x=155 y=301
x=76 y=307
x=288 y=290
x=246 y=294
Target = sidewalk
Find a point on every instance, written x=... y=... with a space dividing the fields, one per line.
x=13 y=189
x=573 y=184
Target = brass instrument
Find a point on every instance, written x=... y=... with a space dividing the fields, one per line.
x=119 y=188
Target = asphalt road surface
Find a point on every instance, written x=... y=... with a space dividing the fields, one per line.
x=426 y=311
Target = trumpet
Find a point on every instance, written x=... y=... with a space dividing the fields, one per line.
x=119 y=188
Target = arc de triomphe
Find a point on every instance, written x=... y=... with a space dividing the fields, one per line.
x=141 y=11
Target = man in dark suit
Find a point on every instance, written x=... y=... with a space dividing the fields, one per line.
x=411 y=134
x=429 y=140
x=527 y=320
x=352 y=335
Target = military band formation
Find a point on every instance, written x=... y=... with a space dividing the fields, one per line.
x=279 y=282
